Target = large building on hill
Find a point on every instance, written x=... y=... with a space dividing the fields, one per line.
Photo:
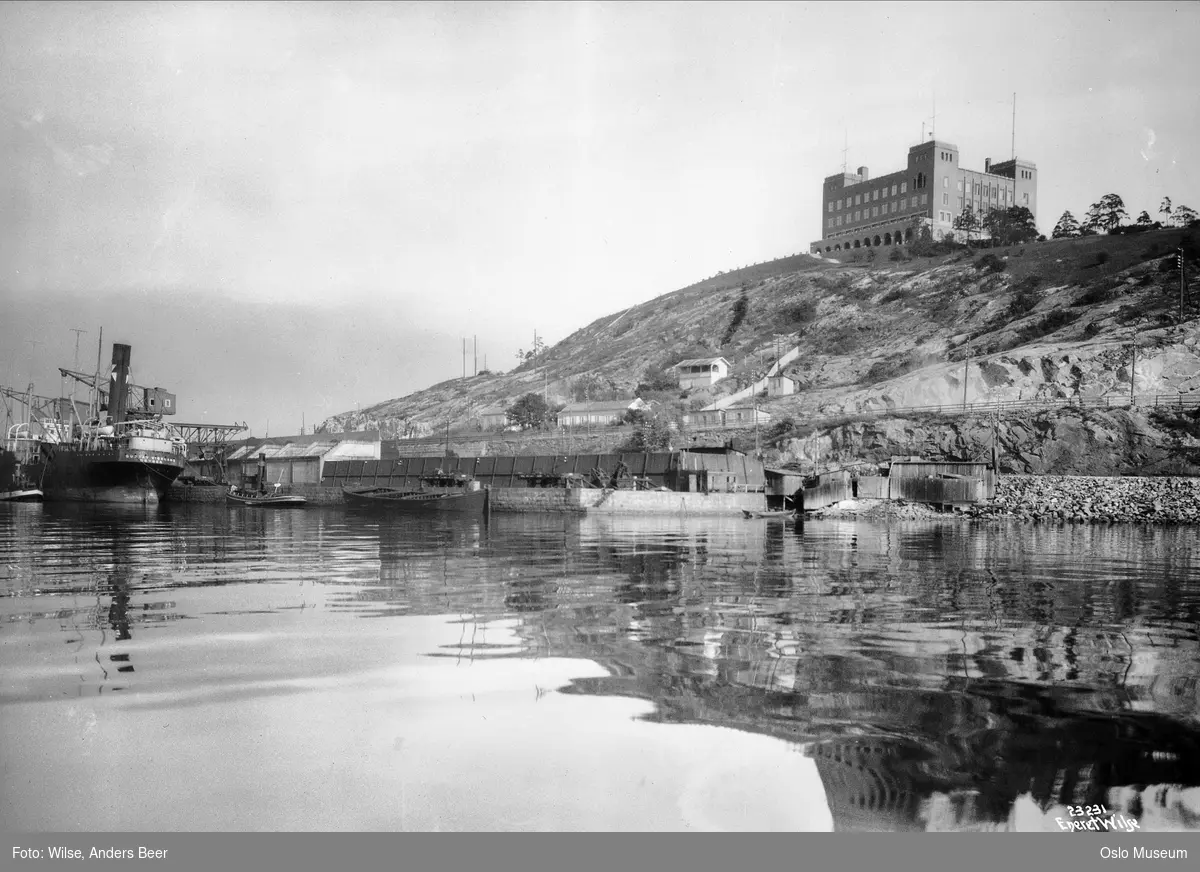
x=858 y=211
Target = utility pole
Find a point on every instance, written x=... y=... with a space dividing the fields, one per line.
x=464 y=357
x=757 y=449
x=1182 y=282
x=475 y=348
x=966 y=365
x=1132 y=373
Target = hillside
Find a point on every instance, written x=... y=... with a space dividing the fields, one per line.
x=1041 y=321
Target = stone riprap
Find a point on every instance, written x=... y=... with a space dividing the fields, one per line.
x=1123 y=499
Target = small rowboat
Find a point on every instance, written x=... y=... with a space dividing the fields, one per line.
x=786 y=513
x=276 y=500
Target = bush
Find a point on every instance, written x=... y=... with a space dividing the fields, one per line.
x=840 y=340
x=800 y=313
x=780 y=428
x=1095 y=296
x=1102 y=258
x=889 y=368
x=894 y=295
x=1177 y=421
x=990 y=263
x=1092 y=329
x=657 y=379
x=1023 y=303
x=1046 y=325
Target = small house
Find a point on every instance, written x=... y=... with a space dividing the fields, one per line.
x=706 y=418
x=598 y=413
x=745 y=416
x=701 y=372
x=493 y=418
x=780 y=386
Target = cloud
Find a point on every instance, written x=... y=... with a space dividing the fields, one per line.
x=1148 y=151
x=82 y=161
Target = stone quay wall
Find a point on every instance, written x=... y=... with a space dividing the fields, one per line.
x=520 y=499
x=1112 y=499
x=536 y=499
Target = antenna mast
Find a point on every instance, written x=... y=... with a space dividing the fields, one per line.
x=846 y=148
x=1014 y=127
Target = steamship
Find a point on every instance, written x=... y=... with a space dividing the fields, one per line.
x=118 y=450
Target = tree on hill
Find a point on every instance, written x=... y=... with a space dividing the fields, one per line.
x=657 y=378
x=1106 y=214
x=652 y=434
x=1164 y=209
x=922 y=237
x=539 y=345
x=1066 y=227
x=1011 y=226
x=968 y=222
x=1144 y=219
x=1184 y=216
x=529 y=412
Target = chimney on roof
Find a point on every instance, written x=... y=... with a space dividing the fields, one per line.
x=987 y=164
x=864 y=173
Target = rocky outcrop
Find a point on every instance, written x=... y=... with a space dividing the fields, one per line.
x=1067 y=441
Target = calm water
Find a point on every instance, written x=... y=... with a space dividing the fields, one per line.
x=204 y=668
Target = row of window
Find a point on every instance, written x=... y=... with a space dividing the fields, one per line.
x=874 y=211
x=883 y=222
x=901 y=188
x=987 y=191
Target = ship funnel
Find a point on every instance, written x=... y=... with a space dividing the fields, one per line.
x=118 y=388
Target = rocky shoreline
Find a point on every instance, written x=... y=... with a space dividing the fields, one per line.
x=1109 y=499
x=1061 y=498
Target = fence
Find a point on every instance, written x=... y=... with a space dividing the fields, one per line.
x=939 y=491
x=831 y=488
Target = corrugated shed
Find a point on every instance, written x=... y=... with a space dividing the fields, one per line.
x=353 y=451
x=329 y=446
x=280 y=452
x=702 y=361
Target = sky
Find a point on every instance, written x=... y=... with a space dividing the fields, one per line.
x=292 y=209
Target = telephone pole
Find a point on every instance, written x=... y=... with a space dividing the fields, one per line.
x=1132 y=372
x=966 y=365
x=1182 y=281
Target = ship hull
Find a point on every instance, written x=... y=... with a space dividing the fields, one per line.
x=107 y=475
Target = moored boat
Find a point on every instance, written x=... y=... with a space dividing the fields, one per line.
x=130 y=456
x=239 y=497
x=15 y=484
x=24 y=495
x=438 y=494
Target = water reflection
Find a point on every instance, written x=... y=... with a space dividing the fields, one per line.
x=934 y=676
